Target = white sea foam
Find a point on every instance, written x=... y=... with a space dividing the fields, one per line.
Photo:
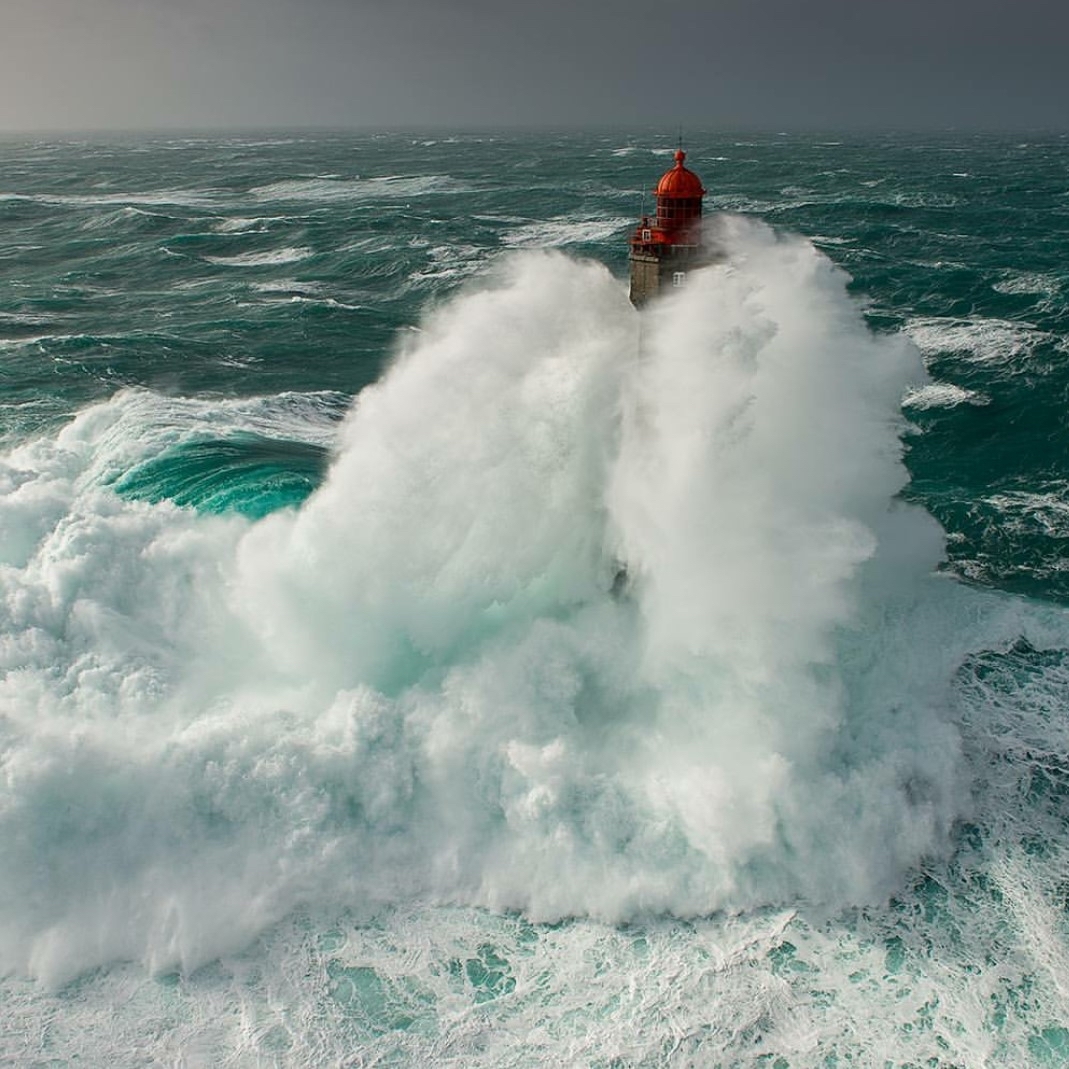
x=287 y=285
x=341 y=189
x=449 y=261
x=25 y=319
x=179 y=198
x=942 y=395
x=421 y=687
x=740 y=202
x=566 y=230
x=263 y=259
x=984 y=340
x=1045 y=513
x=36 y=339
x=822 y=239
x=240 y=224
x=1046 y=287
x=318 y=302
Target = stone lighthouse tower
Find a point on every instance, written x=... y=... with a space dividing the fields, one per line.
x=665 y=248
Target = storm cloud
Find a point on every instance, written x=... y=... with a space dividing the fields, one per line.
x=780 y=64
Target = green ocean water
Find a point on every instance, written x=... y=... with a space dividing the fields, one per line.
x=326 y=740
x=242 y=267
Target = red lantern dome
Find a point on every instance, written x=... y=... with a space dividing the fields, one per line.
x=679 y=182
x=679 y=209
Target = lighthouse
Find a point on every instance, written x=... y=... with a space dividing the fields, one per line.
x=666 y=247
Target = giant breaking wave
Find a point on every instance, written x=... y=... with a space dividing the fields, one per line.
x=426 y=683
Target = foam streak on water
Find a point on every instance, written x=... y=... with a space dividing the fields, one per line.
x=420 y=740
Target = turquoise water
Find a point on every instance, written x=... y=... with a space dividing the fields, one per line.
x=327 y=736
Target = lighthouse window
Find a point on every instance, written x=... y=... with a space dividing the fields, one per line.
x=646 y=235
x=678 y=278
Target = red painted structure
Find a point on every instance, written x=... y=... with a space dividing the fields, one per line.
x=668 y=244
x=679 y=208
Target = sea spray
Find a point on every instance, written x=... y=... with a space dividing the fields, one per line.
x=755 y=502
x=469 y=489
x=422 y=685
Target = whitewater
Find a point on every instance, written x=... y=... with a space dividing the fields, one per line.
x=605 y=698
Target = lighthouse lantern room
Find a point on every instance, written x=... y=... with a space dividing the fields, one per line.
x=666 y=247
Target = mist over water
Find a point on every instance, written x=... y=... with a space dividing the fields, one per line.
x=606 y=692
x=422 y=683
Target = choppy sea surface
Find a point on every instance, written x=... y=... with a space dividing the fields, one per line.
x=412 y=655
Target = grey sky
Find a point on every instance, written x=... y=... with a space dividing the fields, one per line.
x=817 y=64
